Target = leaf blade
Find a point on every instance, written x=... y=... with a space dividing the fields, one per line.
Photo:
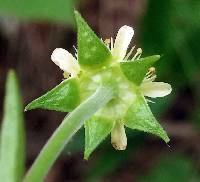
x=12 y=150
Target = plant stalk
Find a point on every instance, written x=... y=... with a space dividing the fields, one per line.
x=70 y=125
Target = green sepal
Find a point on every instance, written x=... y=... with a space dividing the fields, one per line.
x=96 y=130
x=92 y=52
x=140 y=117
x=64 y=97
x=136 y=70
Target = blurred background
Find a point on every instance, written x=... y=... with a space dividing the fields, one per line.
x=31 y=30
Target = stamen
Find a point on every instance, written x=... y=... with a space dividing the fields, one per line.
x=75 y=48
x=76 y=55
x=129 y=53
x=148 y=100
x=137 y=54
x=149 y=78
x=76 y=52
x=111 y=44
x=66 y=75
x=107 y=42
x=151 y=71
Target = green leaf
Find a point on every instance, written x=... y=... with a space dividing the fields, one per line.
x=64 y=98
x=136 y=70
x=172 y=168
x=140 y=117
x=61 y=11
x=12 y=149
x=108 y=160
x=91 y=50
x=96 y=130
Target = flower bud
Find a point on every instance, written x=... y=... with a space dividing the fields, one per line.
x=118 y=137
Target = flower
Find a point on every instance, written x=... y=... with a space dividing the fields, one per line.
x=66 y=61
x=109 y=63
x=118 y=49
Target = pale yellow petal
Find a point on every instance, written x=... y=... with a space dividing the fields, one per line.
x=156 y=89
x=122 y=42
x=65 y=61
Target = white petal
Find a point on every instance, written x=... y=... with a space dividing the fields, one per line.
x=65 y=61
x=122 y=42
x=156 y=89
x=118 y=137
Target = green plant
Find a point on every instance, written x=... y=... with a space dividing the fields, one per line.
x=175 y=167
x=104 y=90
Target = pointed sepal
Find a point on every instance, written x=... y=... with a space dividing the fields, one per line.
x=140 y=117
x=136 y=70
x=96 y=130
x=64 y=97
x=91 y=50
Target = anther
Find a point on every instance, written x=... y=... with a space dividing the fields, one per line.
x=139 y=51
x=107 y=41
x=111 y=44
x=66 y=75
x=151 y=71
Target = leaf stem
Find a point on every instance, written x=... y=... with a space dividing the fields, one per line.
x=70 y=125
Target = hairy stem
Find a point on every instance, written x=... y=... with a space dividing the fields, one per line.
x=70 y=125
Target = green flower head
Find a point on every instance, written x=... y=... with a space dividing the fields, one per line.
x=97 y=62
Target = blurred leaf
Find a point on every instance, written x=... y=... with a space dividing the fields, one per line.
x=160 y=105
x=109 y=160
x=96 y=130
x=140 y=117
x=60 y=10
x=187 y=61
x=12 y=150
x=186 y=14
x=175 y=22
x=136 y=70
x=91 y=50
x=156 y=27
x=64 y=98
x=174 y=168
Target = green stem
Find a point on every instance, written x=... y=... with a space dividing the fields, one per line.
x=70 y=125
